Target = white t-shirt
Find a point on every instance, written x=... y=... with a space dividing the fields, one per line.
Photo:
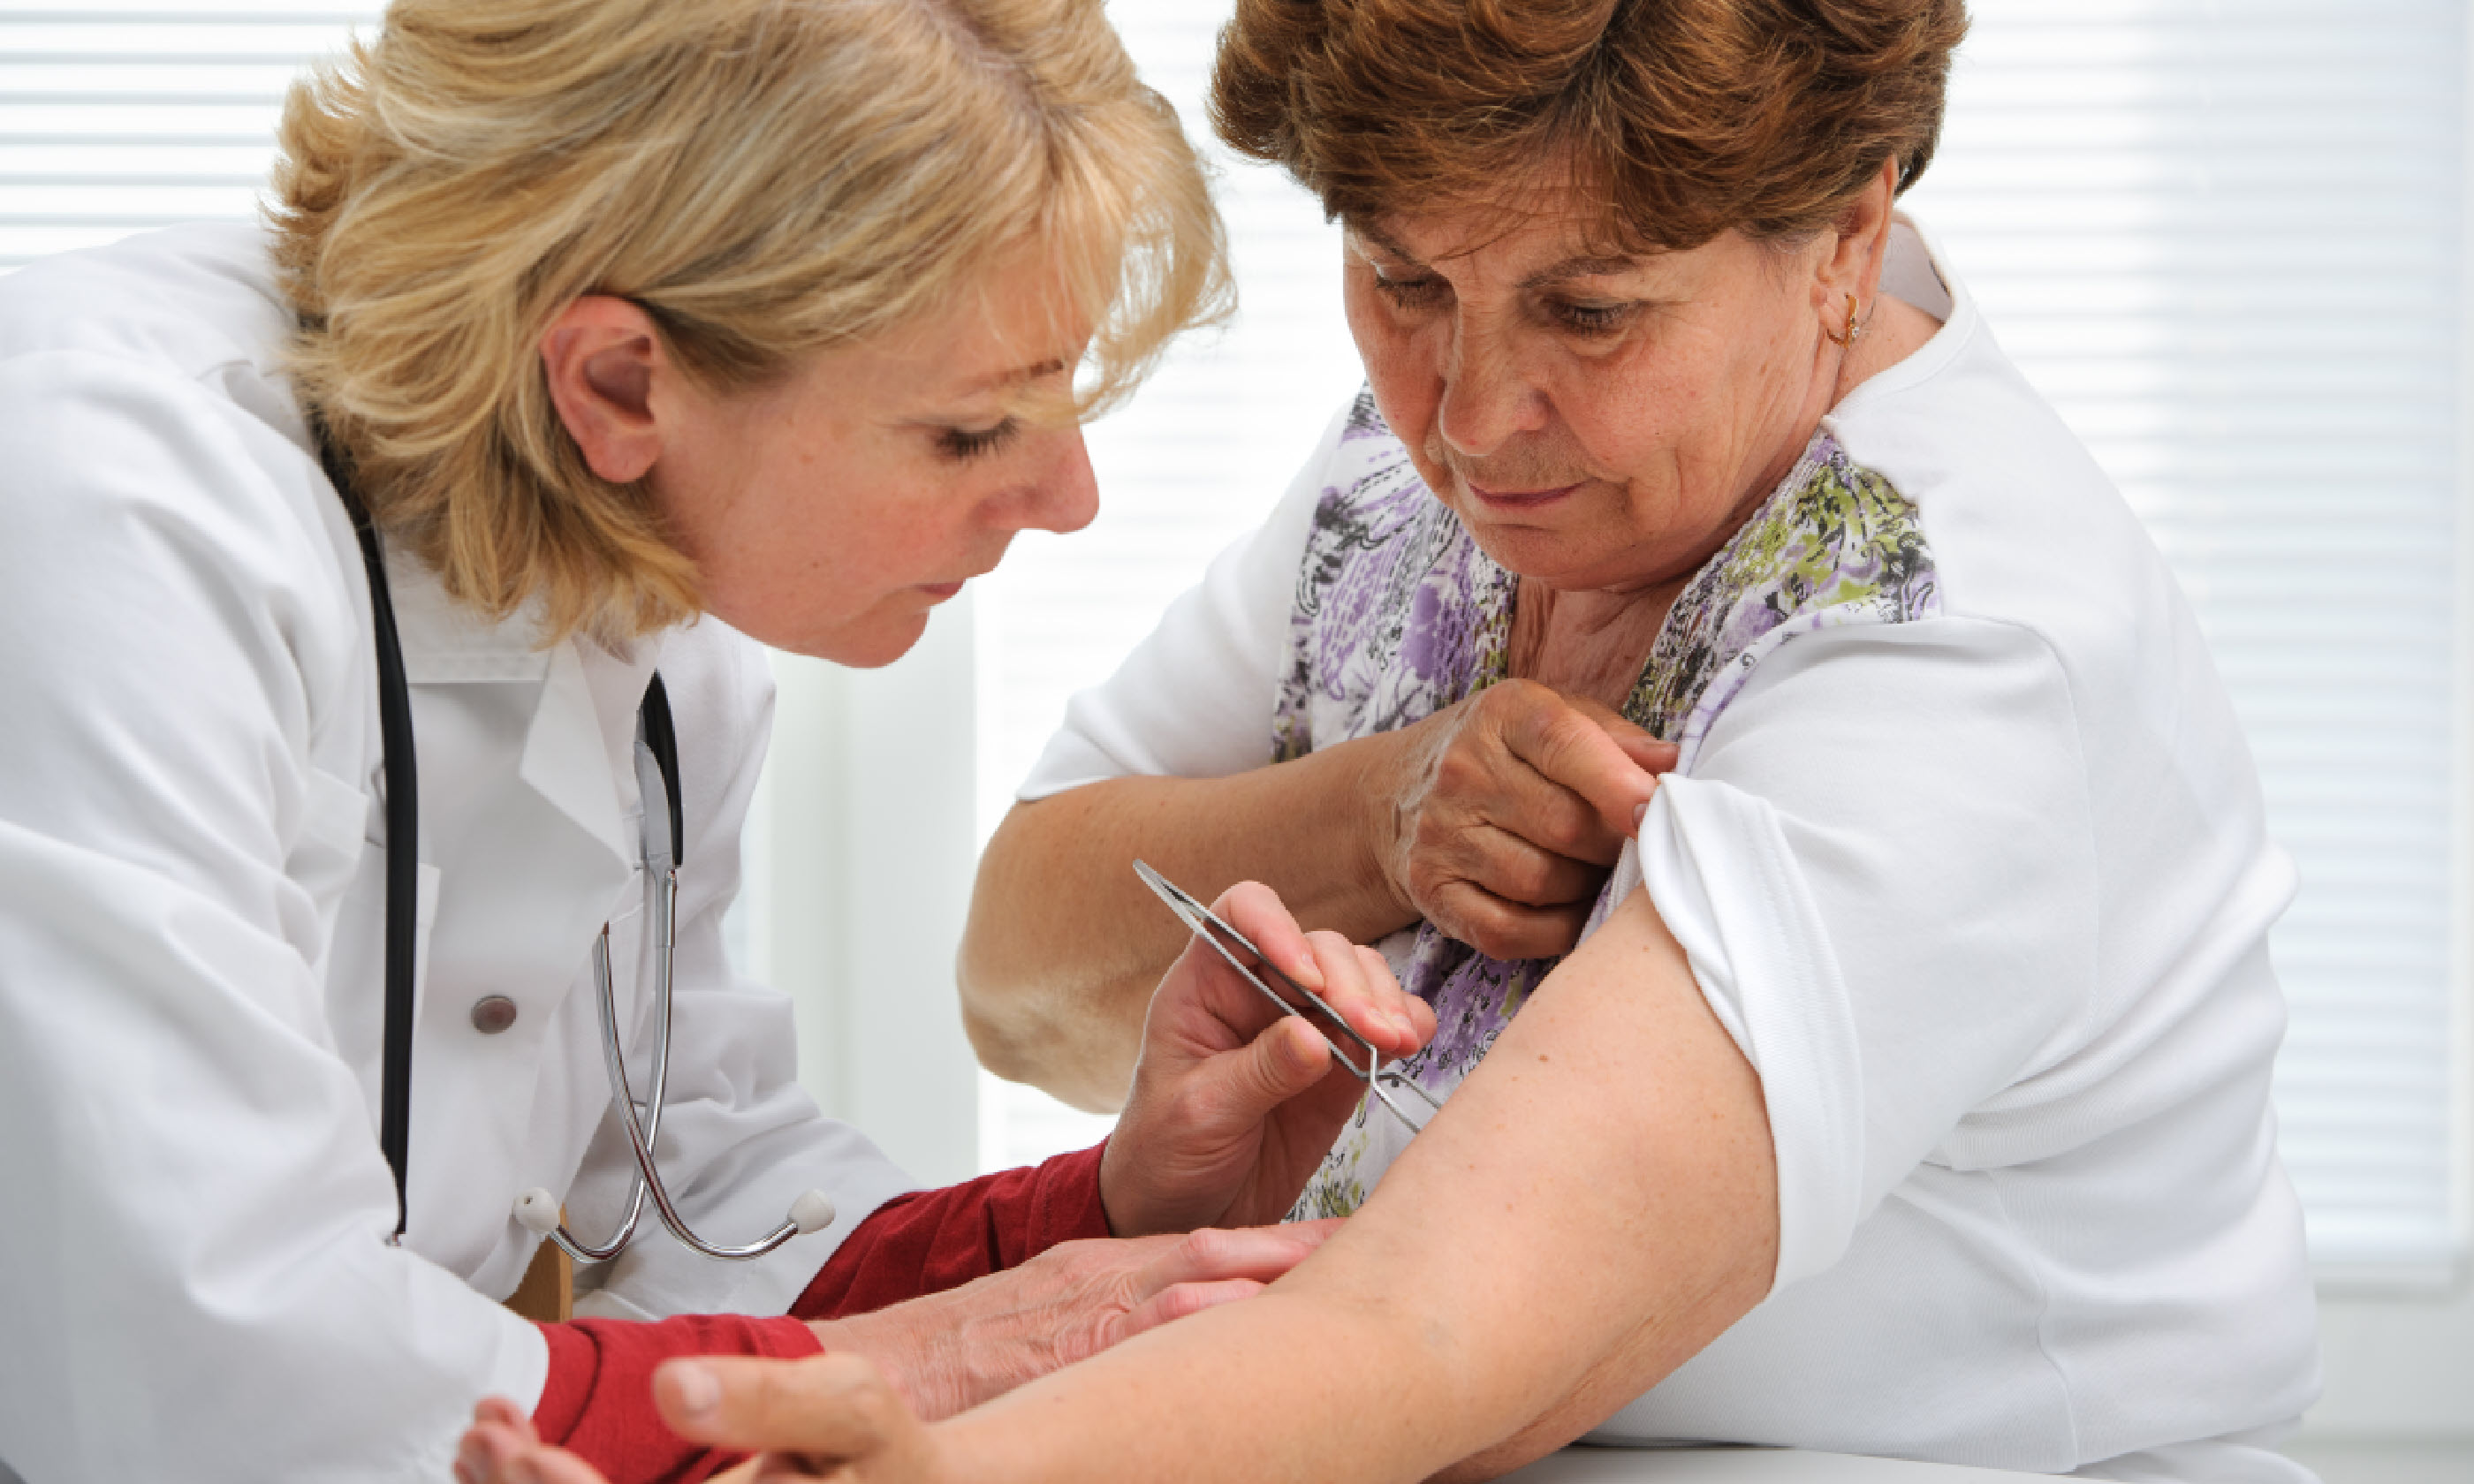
x=1984 y=896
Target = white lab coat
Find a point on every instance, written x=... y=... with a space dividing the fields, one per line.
x=195 y=1281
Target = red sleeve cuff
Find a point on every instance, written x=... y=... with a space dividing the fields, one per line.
x=931 y=1240
x=597 y=1403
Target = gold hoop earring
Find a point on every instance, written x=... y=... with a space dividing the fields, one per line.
x=1854 y=330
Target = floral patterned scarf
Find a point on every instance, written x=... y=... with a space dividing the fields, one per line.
x=1399 y=614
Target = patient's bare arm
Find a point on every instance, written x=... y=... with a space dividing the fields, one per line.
x=1594 y=1205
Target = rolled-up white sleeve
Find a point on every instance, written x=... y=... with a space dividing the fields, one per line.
x=1881 y=865
x=1193 y=699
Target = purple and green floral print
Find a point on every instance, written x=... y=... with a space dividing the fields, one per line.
x=1399 y=614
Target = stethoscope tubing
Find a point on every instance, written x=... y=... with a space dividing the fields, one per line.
x=400 y=766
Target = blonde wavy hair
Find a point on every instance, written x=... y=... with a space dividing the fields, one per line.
x=764 y=177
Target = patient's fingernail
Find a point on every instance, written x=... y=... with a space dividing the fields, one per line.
x=524 y=1471
x=1639 y=812
x=697 y=1389
x=1401 y=1023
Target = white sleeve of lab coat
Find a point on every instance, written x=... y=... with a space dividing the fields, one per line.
x=741 y=1136
x=194 y=1259
x=1883 y=871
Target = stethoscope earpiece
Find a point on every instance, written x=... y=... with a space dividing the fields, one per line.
x=537 y=1211
x=812 y=1213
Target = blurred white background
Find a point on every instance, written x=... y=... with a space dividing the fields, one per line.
x=2228 y=239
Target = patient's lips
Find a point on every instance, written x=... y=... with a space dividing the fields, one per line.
x=1530 y=499
x=940 y=591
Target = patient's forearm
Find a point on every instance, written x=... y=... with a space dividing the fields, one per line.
x=1594 y=1205
x=1064 y=944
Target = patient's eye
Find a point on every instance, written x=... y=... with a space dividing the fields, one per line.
x=964 y=445
x=1591 y=318
x=1409 y=290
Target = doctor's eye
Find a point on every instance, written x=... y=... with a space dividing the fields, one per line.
x=964 y=445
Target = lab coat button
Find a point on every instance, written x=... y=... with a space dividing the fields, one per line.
x=493 y=1014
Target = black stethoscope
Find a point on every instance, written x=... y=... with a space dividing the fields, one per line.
x=663 y=843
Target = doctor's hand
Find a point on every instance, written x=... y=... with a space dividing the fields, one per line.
x=827 y=1416
x=946 y=1352
x=1234 y=1103
x=926 y=1357
x=1496 y=818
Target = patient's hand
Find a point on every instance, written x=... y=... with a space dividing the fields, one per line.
x=831 y=1415
x=1236 y=1103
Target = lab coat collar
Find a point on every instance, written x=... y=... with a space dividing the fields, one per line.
x=572 y=750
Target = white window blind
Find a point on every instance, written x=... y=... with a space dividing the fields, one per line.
x=2226 y=241
x=117 y=119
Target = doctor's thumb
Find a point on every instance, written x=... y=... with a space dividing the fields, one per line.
x=1286 y=1059
x=833 y=1405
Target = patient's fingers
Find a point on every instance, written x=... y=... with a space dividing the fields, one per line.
x=837 y=1407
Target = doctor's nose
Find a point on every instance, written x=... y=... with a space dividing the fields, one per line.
x=1064 y=496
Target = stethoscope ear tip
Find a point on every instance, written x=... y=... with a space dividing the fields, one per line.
x=537 y=1211
x=812 y=1213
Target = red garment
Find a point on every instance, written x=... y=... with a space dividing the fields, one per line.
x=598 y=1399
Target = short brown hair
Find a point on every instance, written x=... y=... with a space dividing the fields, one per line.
x=764 y=177
x=1688 y=117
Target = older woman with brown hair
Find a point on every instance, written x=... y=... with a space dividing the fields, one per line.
x=1747 y=716
x=380 y=599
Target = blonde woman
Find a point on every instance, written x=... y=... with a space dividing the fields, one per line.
x=629 y=332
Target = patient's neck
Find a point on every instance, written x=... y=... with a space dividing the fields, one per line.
x=1587 y=643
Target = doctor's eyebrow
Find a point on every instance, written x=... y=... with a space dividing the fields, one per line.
x=1052 y=367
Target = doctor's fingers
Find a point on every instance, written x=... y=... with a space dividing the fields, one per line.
x=504 y=1412
x=1180 y=1302
x=1213 y=1254
x=1358 y=985
x=496 y=1452
x=1257 y=910
x=1352 y=981
x=823 y=1410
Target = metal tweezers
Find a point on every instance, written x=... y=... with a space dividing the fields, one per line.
x=1207 y=927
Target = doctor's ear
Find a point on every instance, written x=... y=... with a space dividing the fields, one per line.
x=601 y=355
